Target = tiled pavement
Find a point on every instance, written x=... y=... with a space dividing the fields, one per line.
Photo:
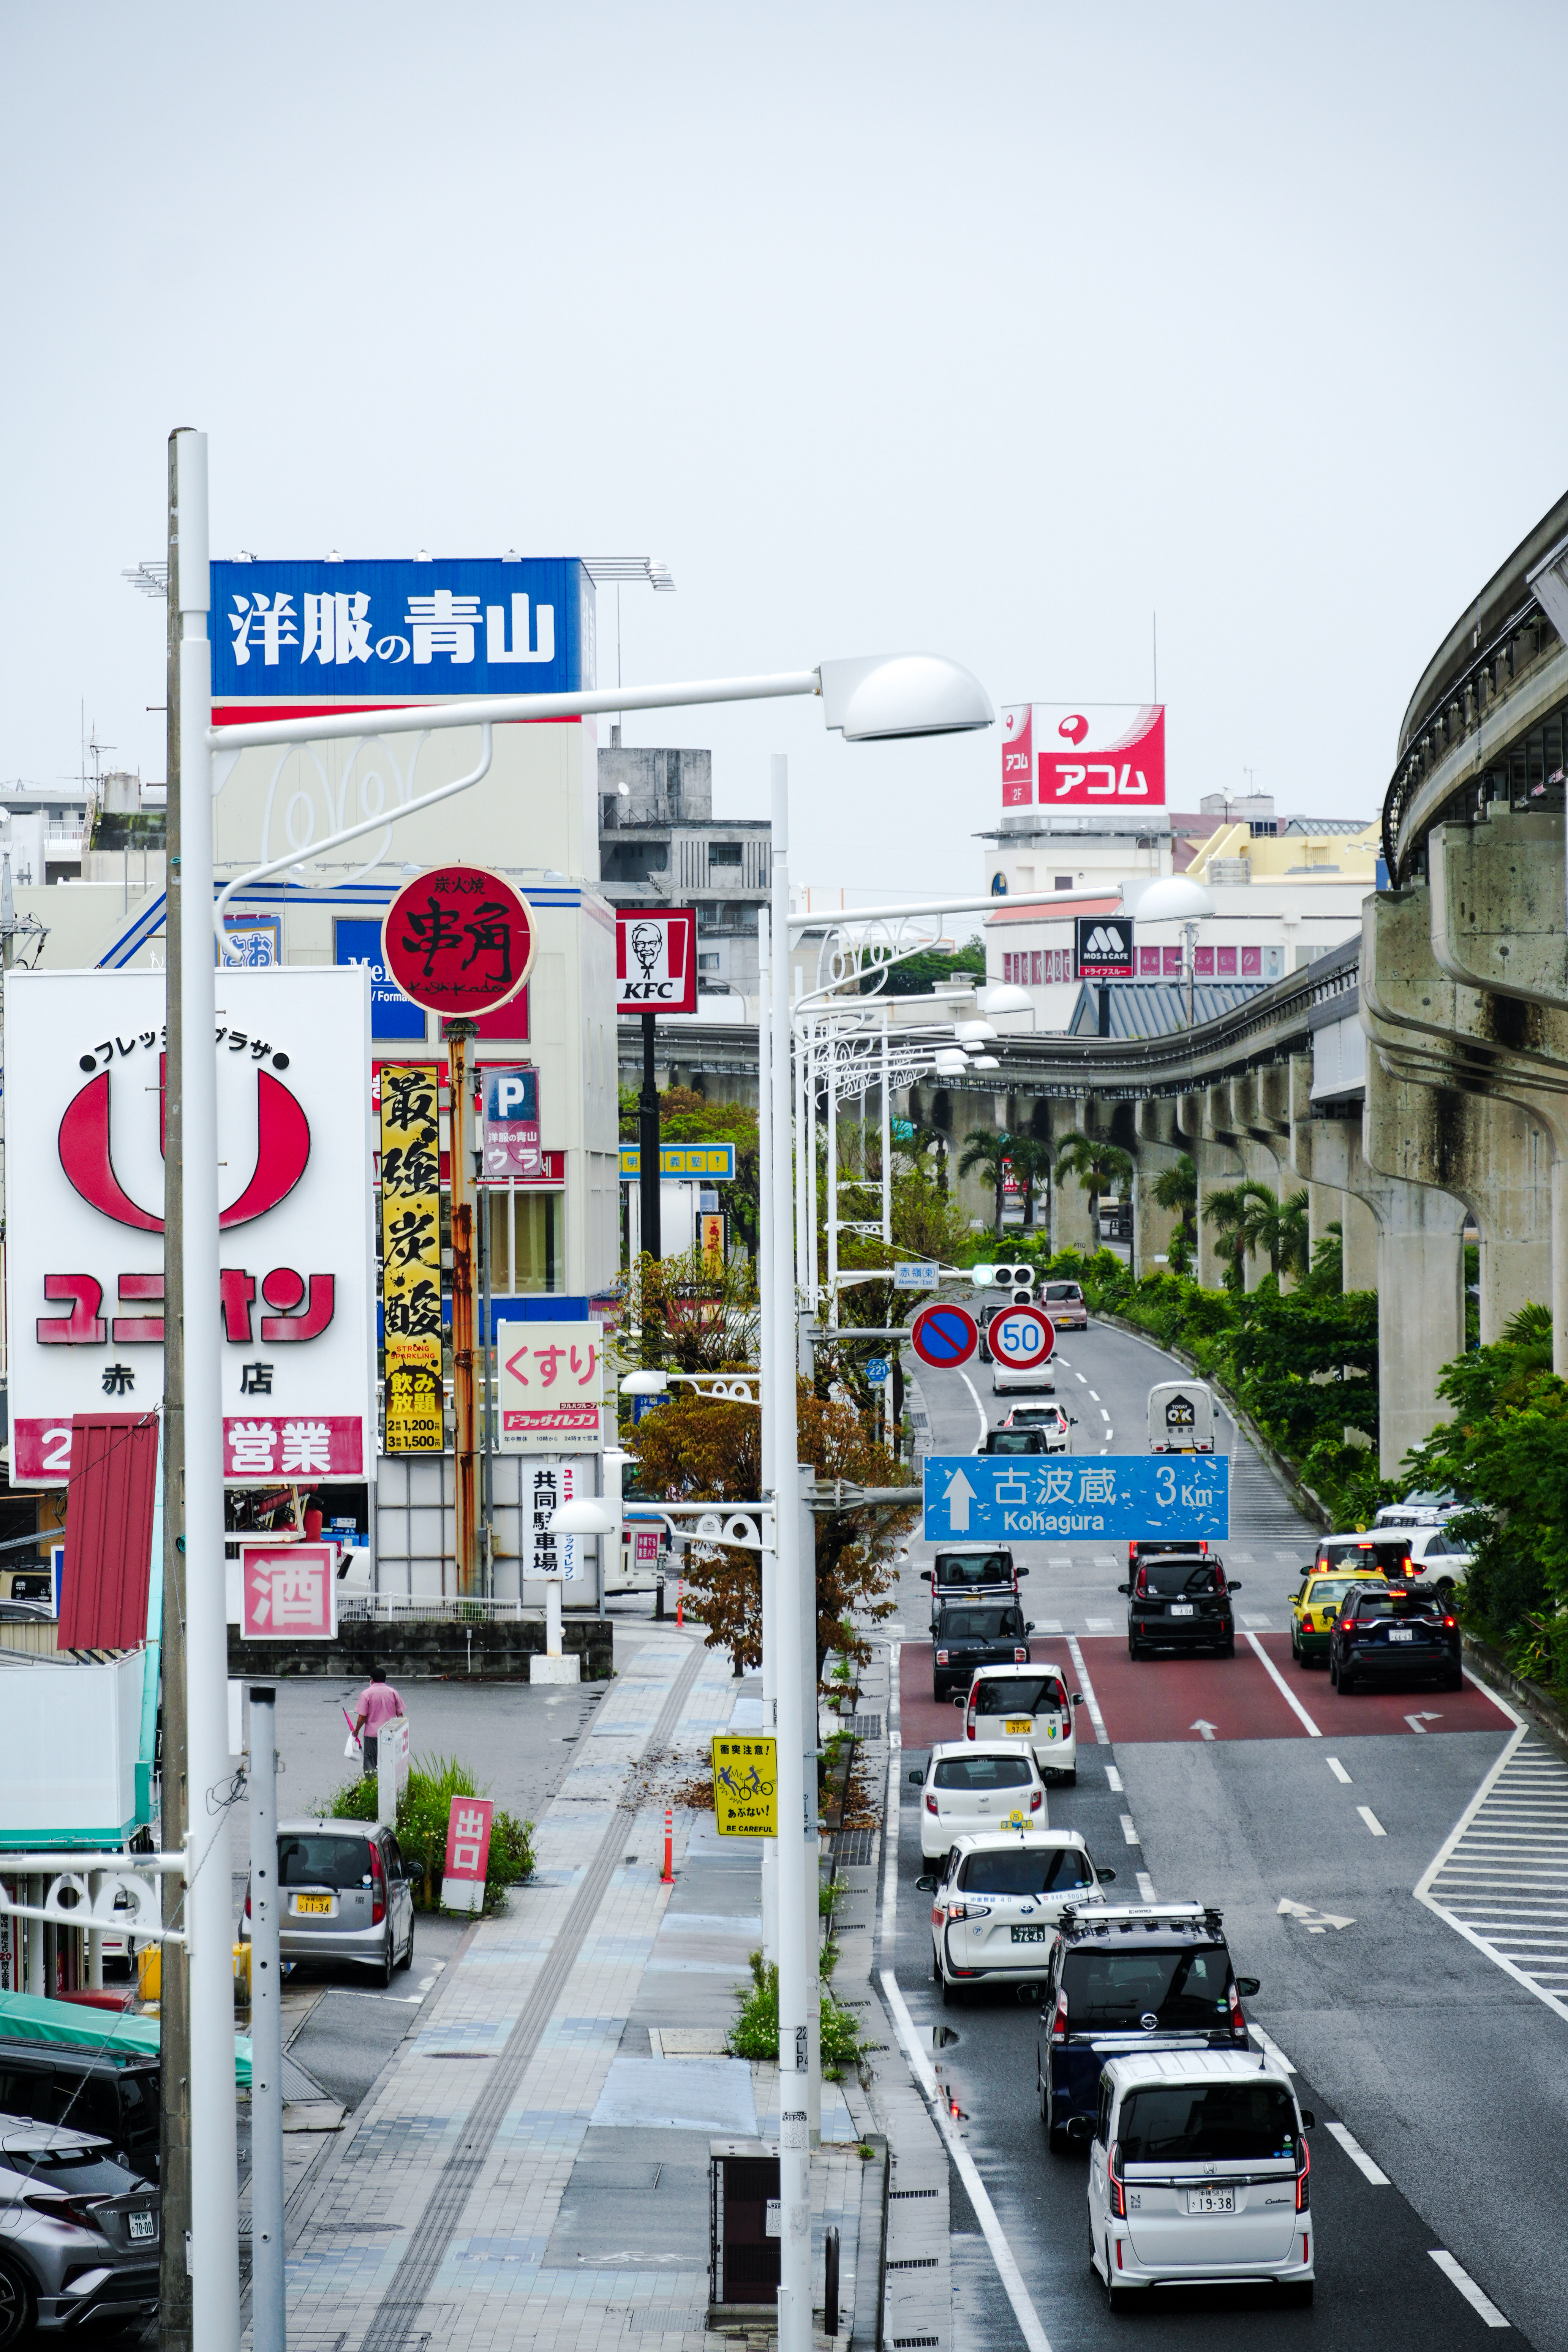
x=528 y=2170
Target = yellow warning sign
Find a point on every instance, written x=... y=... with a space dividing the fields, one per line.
x=745 y=1788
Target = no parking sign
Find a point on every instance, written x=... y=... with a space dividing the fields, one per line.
x=943 y=1336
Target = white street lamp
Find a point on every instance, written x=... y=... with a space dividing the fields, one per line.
x=647 y=1382
x=585 y=1517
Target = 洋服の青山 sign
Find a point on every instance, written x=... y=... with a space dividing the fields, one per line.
x=84 y=1059
x=1105 y=755
x=458 y=941
x=656 y=959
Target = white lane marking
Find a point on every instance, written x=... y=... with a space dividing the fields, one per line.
x=1338 y=1770
x=1146 y=1888
x=1370 y=1818
x=1007 y=2270
x=1129 y=1830
x=1095 y=1717
x=1271 y=2050
x=1286 y=1693
x=1049 y=1625
x=1078 y=1376
x=1094 y=1394
x=980 y=1409
x=1103 y=1414
x=1113 y=1779
x=890 y=1810
x=1358 y=2155
x=1097 y=1625
x=1461 y=2278
x=1263 y=1624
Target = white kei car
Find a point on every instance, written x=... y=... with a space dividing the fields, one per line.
x=996 y=1901
x=1026 y=1707
x=1198 y=2171
x=966 y=1789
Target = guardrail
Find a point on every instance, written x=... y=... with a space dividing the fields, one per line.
x=431 y=1609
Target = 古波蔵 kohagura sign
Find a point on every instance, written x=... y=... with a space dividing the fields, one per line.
x=1002 y=1499
x=745 y=1786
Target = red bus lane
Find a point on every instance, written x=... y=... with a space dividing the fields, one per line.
x=925 y=1722
x=1203 y=1696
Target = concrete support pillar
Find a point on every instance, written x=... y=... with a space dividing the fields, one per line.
x=1420 y=1276
x=1069 y=1200
x=1219 y=1169
x=1359 y=1244
x=1157 y=1147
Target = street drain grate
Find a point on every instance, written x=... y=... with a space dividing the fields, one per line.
x=866 y=1727
x=914 y=2192
x=853 y=1849
x=901 y=2342
x=917 y=2262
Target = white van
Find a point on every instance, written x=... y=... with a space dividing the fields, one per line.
x=1198 y=2169
x=1181 y=1418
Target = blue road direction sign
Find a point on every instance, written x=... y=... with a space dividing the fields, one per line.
x=1109 y=1497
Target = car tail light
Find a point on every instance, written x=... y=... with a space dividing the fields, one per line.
x=957 y=1911
x=1450 y=1625
x=248 y=1898
x=377 y=1888
x=969 y=1718
x=1306 y=1620
x=1141 y=1590
x=1021 y=1656
x=1303 y=2193
x=1036 y=1801
x=930 y=1802
x=941 y=1658
x=1118 y=2191
x=1060 y=2022
x=79 y=2212
x=1218 y=1578
x=1238 y=2023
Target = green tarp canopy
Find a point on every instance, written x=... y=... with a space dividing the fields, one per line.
x=24 y=2018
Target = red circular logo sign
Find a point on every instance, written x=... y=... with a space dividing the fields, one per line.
x=458 y=941
x=1020 y=1338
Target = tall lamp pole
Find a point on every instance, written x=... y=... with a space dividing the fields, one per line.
x=648 y=1146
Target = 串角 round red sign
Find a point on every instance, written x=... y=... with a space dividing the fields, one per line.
x=458 y=941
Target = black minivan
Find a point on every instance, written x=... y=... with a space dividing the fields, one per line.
x=1180 y=1601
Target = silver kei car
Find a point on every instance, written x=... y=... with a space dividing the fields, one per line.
x=79 y=2234
x=346 y=1895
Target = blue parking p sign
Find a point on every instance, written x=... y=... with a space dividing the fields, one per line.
x=1053 y=1499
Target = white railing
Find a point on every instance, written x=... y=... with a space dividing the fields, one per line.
x=430 y=1608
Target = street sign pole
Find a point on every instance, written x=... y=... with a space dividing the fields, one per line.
x=459 y=1132
x=268 y=2298
x=647 y=1137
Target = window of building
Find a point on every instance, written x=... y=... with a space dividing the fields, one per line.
x=1203 y=964
x=1173 y=962
x=1062 y=882
x=723 y=853
x=1224 y=963
x=708 y=962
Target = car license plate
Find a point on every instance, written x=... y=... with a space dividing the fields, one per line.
x=143 y=2225
x=1020 y=1723
x=1211 y=2200
x=1028 y=1935
x=1183 y=1609
x=1401 y=1634
x=312 y=1903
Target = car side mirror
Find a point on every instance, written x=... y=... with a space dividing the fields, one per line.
x=1231 y=1587
x=1309 y=2120
x=1072 y=1420
x=916 y=1778
x=1106 y=1877
x=1077 y=1698
x=1028 y=1624
x=926 y=1883
x=925 y=1576
x=1021 y=1572
x=1124 y=1588
x=1080 y=2131
x=1246 y=1986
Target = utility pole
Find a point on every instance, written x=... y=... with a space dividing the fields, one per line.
x=459 y=1133
x=268 y=2298
x=174 y=1996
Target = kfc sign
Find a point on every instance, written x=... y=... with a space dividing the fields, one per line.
x=85 y=1072
x=656 y=959
x=1057 y=755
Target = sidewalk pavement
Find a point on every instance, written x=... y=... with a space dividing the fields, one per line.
x=531 y=2166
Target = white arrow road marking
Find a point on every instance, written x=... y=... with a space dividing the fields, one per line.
x=1468 y=2287
x=1419 y=1722
x=958 y=1496
x=1338 y=1770
x=1205 y=1730
x=1370 y=1818
x=1358 y=2155
x=1314 y=1921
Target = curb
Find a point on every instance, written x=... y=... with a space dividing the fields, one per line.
x=1490 y=1666
x=1305 y=1501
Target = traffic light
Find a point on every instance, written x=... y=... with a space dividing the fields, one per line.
x=1017 y=1282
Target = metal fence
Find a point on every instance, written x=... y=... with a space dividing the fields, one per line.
x=430 y=1608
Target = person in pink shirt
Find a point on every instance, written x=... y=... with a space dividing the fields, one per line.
x=378 y=1703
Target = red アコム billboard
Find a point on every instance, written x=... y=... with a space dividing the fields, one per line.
x=1060 y=755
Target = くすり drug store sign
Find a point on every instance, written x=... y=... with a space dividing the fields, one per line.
x=85 y=1076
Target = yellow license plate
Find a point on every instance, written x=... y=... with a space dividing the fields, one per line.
x=1020 y=1723
x=312 y=1903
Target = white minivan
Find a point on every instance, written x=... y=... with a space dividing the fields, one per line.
x=1198 y=2171
x=1026 y=1706
x=997 y=1902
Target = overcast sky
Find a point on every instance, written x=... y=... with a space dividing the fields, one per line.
x=993 y=329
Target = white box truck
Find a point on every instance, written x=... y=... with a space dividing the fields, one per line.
x=1181 y=1418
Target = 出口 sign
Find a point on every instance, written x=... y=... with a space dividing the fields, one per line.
x=84 y=1063
x=550 y=1383
x=468 y=1854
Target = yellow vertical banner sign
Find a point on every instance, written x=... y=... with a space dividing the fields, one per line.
x=411 y=1256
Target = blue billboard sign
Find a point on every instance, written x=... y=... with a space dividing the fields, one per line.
x=400 y=632
x=1102 y=1498
x=392 y=1015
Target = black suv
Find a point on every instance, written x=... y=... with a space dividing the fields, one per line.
x=987 y=1572
x=970 y=1633
x=1393 y=1631
x=59 y=2083
x=1124 y=1978
x=1180 y=1601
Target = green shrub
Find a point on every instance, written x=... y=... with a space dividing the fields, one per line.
x=755 y=2033
x=423 y=1808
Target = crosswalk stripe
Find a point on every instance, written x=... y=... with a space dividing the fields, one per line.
x=1500 y=1879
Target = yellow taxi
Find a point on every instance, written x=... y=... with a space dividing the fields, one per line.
x=1315 y=1607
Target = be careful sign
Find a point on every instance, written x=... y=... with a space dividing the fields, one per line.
x=745 y=1788
x=1002 y=1499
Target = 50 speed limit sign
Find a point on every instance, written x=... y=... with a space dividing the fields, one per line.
x=1021 y=1338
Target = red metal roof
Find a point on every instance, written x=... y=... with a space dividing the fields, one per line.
x=109 y=1531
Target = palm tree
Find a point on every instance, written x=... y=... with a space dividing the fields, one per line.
x=1225 y=1208
x=1097 y=1167
x=925 y=1138
x=1175 y=1191
x=988 y=1155
x=1275 y=1226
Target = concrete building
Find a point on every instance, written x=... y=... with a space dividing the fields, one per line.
x=660 y=845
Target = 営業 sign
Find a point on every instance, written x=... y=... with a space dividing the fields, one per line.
x=458 y=941
x=656 y=959
x=550 y=1382
x=1113 y=1498
x=745 y=1787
